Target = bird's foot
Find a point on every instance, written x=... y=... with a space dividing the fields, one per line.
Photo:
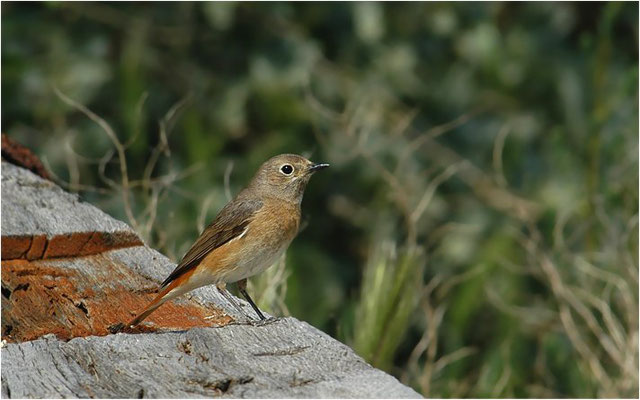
x=115 y=328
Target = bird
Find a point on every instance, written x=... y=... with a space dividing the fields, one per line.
x=246 y=237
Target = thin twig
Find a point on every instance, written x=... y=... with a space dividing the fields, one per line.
x=227 y=179
x=498 y=147
x=69 y=186
x=124 y=185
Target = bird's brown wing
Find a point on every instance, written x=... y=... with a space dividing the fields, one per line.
x=229 y=224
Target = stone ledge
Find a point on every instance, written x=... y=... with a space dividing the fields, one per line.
x=32 y=206
x=84 y=296
x=284 y=359
x=75 y=244
x=70 y=271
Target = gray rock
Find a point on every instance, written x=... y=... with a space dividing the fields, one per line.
x=32 y=205
x=285 y=358
x=280 y=358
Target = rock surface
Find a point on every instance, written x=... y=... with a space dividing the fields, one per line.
x=69 y=271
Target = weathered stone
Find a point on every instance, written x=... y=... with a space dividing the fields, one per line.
x=38 y=245
x=32 y=206
x=286 y=358
x=16 y=246
x=55 y=314
x=83 y=296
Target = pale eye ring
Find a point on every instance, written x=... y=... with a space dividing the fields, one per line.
x=286 y=169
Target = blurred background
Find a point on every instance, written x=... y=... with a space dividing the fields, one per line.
x=477 y=232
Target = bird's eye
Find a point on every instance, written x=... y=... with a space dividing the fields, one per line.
x=286 y=169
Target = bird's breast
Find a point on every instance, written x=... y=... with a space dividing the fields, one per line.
x=267 y=236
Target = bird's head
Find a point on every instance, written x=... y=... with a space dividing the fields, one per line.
x=285 y=177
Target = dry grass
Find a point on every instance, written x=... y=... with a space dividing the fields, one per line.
x=592 y=299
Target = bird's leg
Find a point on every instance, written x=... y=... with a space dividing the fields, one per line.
x=222 y=288
x=242 y=287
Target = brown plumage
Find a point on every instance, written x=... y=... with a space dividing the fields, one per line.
x=247 y=236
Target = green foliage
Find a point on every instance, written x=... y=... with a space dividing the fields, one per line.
x=477 y=232
x=390 y=290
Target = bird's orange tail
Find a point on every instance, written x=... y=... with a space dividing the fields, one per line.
x=157 y=302
x=167 y=293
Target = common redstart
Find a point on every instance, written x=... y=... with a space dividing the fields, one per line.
x=246 y=237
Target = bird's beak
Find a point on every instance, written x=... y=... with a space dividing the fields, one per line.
x=317 y=167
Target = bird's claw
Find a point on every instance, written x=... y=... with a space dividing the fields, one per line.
x=115 y=328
